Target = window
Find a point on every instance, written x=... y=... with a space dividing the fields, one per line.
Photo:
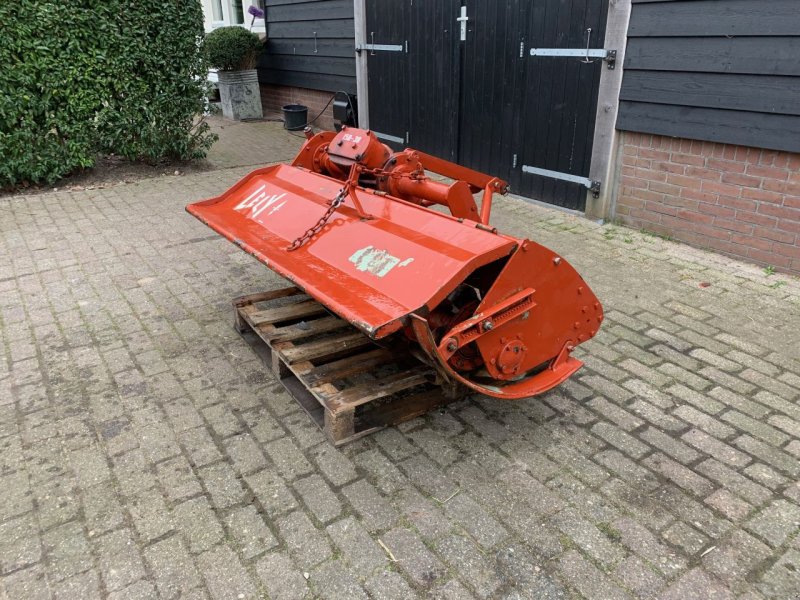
x=237 y=12
x=216 y=10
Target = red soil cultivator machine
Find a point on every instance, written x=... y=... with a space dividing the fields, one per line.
x=396 y=306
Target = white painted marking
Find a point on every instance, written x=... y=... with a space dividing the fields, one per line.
x=259 y=201
x=377 y=262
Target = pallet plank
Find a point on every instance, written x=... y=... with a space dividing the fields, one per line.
x=349 y=340
x=289 y=312
x=367 y=392
x=347 y=367
x=298 y=331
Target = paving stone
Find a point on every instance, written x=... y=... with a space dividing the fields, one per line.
x=638 y=577
x=588 y=579
x=620 y=440
x=319 y=498
x=640 y=540
x=385 y=475
x=685 y=537
x=83 y=585
x=288 y=459
x=425 y=516
x=222 y=484
x=696 y=585
x=687 y=509
x=739 y=402
x=172 y=567
x=67 y=551
x=594 y=542
x=765 y=475
x=733 y=558
x=178 y=479
x=388 y=585
x=281 y=578
x=19 y=544
x=674 y=448
x=149 y=514
x=770 y=455
x=634 y=474
x=374 y=511
x=684 y=477
x=89 y=465
x=120 y=563
x=731 y=506
x=438 y=448
x=394 y=444
x=199 y=446
x=307 y=545
x=656 y=416
x=250 y=532
x=197 y=522
x=756 y=428
x=271 y=492
x=469 y=562
x=413 y=558
x=141 y=590
x=360 y=552
x=782 y=579
x=730 y=479
x=612 y=412
x=31 y=584
x=224 y=575
x=717 y=449
x=701 y=420
x=245 y=454
x=777 y=522
x=333 y=580
x=484 y=528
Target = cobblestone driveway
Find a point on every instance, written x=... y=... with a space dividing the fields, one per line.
x=145 y=453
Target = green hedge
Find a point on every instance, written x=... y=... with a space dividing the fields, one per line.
x=86 y=77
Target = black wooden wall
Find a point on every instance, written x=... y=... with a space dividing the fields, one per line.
x=716 y=70
x=297 y=56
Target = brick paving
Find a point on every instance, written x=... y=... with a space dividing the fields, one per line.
x=145 y=453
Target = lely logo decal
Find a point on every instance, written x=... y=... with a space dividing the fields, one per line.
x=259 y=201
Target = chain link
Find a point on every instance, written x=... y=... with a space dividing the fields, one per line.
x=311 y=232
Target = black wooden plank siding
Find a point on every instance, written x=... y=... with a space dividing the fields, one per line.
x=310 y=43
x=716 y=70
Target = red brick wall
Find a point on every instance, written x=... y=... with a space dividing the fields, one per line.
x=275 y=97
x=744 y=202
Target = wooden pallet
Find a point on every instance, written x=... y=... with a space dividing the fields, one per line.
x=346 y=383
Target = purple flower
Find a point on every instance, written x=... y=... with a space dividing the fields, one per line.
x=256 y=12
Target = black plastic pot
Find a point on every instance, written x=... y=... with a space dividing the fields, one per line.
x=295 y=116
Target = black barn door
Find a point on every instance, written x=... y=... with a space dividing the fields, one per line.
x=387 y=27
x=560 y=99
x=484 y=101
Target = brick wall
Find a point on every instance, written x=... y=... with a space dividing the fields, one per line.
x=275 y=97
x=744 y=202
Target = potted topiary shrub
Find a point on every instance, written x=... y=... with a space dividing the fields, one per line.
x=233 y=52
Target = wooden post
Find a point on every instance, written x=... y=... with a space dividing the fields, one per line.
x=362 y=93
x=606 y=136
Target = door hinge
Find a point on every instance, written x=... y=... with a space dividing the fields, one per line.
x=514 y=162
x=590 y=184
x=587 y=54
x=521 y=49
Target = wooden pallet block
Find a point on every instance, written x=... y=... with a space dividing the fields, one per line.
x=346 y=383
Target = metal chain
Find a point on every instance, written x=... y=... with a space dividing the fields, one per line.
x=335 y=203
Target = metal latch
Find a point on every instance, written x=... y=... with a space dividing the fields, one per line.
x=463 y=20
x=590 y=184
x=587 y=54
x=372 y=47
